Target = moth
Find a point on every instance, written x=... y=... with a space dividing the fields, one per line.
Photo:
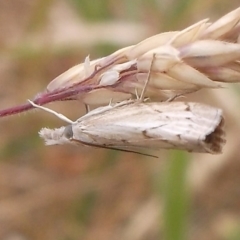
x=133 y=125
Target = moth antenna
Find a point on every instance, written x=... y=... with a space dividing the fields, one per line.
x=112 y=148
x=148 y=79
x=59 y=115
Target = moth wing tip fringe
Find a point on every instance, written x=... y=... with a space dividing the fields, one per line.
x=215 y=140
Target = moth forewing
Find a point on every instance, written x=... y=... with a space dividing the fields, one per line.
x=135 y=125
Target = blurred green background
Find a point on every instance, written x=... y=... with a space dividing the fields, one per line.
x=67 y=193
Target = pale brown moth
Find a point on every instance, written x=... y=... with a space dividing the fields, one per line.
x=134 y=125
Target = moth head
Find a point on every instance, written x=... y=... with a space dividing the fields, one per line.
x=68 y=132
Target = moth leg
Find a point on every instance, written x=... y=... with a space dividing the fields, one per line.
x=148 y=79
x=146 y=99
x=59 y=115
x=87 y=107
x=110 y=102
x=179 y=95
x=136 y=93
x=174 y=97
